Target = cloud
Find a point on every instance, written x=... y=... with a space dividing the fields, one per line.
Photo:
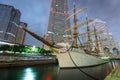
x=37 y=11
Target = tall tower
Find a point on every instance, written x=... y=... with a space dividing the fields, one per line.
x=57 y=24
x=21 y=33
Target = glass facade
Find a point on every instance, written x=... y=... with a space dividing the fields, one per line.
x=21 y=33
x=8 y=31
x=57 y=24
x=5 y=12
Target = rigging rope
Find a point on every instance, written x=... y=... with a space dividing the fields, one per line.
x=94 y=78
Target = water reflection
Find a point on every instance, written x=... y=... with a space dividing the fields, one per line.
x=41 y=72
x=98 y=72
x=53 y=72
x=29 y=74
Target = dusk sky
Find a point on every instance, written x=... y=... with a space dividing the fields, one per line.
x=36 y=14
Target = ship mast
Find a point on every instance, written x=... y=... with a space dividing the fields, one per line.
x=96 y=40
x=75 y=34
x=88 y=34
x=101 y=45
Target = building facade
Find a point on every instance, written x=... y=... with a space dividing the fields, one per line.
x=57 y=21
x=21 y=33
x=8 y=31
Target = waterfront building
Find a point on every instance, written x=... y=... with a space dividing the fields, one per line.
x=8 y=31
x=57 y=24
x=21 y=33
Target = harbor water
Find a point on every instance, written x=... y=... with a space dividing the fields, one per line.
x=53 y=72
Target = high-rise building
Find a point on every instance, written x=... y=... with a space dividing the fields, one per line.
x=57 y=24
x=21 y=33
x=8 y=31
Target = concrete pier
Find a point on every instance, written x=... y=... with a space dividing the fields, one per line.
x=14 y=60
x=115 y=75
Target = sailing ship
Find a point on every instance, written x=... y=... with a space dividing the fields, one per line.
x=70 y=55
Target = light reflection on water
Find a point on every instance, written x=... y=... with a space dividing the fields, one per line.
x=29 y=74
x=40 y=72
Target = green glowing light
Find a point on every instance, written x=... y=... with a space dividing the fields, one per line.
x=24 y=49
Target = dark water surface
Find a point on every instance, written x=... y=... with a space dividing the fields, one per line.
x=41 y=72
x=53 y=72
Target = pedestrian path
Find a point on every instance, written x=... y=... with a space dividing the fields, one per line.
x=115 y=75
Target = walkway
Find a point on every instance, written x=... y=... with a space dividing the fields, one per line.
x=115 y=75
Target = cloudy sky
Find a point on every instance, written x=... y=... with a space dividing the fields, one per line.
x=36 y=14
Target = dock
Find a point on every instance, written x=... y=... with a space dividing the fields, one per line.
x=115 y=75
x=16 y=60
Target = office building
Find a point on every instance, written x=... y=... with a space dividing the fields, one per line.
x=8 y=31
x=57 y=24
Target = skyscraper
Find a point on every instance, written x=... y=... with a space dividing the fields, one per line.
x=21 y=33
x=57 y=24
x=8 y=31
